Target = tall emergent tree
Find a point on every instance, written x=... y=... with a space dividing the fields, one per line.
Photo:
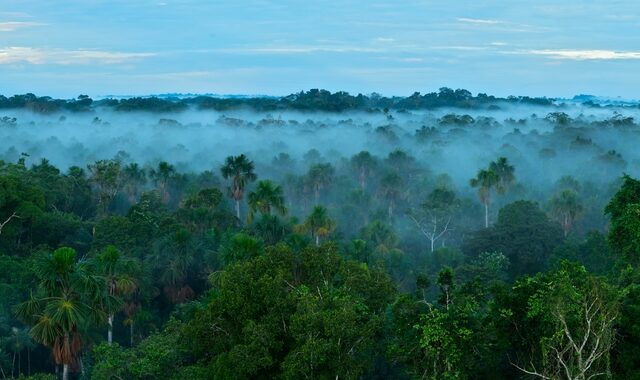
x=319 y=177
x=120 y=273
x=505 y=173
x=240 y=170
x=67 y=298
x=485 y=181
x=499 y=176
x=105 y=175
x=363 y=163
x=264 y=198
x=433 y=218
x=391 y=190
x=318 y=224
x=161 y=177
x=566 y=208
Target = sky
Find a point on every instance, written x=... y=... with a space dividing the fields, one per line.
x=64 y=48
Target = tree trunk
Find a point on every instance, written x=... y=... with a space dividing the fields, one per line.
x=65 y=371
x=110 y=333
x=317 y=240
x=432 y=243
x=131 y=333
x=486 y=215
x=238 y=208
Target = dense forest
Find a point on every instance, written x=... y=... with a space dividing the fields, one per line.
x=319 y=236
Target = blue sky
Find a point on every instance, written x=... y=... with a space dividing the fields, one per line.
x=98 y=47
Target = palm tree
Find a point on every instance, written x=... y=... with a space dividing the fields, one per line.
x=105 y=175
x=505 y=173
x=485 y=180
x=265 y=197
x=318 y=224
x=391 y=190
x=566 y=208
x=171 y=261
x=18 y=341
x=402 y=163
x=381 y=237
x=120 y=273
x=134 y=178
x=68 y=297
x=240 y=170
x=363 y=163
x=319 y=176
x=161 y=177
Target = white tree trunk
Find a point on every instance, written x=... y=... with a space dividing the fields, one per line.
x=486 y=215
x=238 y=209
x=110 y=332
x=65 y=371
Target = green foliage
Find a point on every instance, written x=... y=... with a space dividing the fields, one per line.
x=156 y=357
x=523 y=234
x=624 y=210
x=310 y=311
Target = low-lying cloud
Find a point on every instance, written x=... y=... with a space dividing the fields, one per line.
x=40 y=56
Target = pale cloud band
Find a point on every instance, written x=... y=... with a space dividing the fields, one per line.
x=39 y=56
x=479 y=21
x=10 y=26
x=583 y=55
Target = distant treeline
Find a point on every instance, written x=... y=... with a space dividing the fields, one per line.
x=312 y=100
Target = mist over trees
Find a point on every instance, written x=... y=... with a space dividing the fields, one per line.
x=319 y=235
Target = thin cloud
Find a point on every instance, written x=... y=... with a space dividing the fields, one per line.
x=583 y=55
x=10 y=26
x=40 y=56
x=479 y=21
x=300 y=49
x=498 y=25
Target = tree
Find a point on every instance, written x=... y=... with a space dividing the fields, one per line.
x=624 y=210
x=2 y=224
x=433 y=218
x=363 y=163
x=120 y=273
x=68 y=297
x=18 y=341
x=485 y=181
x=312 y=314
x=504 y=172
x=134 y=178
x=391 y=190
x=240 y=170
x=265 y=197
x=171 y=262
x=318 y=224
x=161 y=177
x=566 y=208
x=105 y=174
x=575 y=313
x=523 y=233
x=319 y=177
x=380 y=236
